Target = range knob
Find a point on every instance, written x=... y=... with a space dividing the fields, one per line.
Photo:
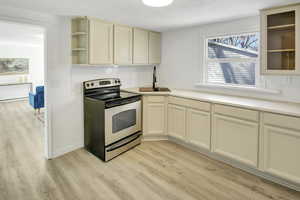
x=92 y=84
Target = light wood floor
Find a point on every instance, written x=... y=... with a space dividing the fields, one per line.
x=153 y=170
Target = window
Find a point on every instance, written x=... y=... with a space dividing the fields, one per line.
x=232 y=60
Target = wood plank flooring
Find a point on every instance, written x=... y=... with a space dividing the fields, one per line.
x=153 y=170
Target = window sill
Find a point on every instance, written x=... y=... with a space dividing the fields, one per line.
x=239 y=88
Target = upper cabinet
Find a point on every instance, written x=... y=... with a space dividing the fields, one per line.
x=123 y=45
x=154 y=48
x=97 y=42
x=140 y=46
x=100 y=42
x=280 y=31
x=80 y=40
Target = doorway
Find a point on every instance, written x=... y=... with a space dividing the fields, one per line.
x=22 y=88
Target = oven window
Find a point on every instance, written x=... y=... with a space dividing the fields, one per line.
x=123 y=120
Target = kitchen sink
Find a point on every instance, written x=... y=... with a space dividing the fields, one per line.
x=150 y=89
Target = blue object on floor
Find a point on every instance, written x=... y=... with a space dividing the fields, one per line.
x=37 y=100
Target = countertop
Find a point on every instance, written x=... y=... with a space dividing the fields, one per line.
x=279 y=107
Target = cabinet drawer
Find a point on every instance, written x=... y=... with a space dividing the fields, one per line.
x=156 y=99
x=237 y=112
x=190 y=103
x=282 y=121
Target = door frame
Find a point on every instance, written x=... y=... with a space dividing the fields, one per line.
x=47 y=128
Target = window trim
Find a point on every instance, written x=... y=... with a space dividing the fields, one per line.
x=223 y=85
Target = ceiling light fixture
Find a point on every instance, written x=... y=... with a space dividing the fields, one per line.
x=157 y=3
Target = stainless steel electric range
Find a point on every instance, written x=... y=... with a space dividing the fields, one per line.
x=112 y=119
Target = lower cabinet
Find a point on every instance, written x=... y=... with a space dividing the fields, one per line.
x=235 y=138
x=154 y=116
x=270 y=142
x=281 y=146
x=177 y=121
x=198 y=128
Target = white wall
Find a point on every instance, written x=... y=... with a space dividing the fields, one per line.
x=35 y=54
x=183 y=53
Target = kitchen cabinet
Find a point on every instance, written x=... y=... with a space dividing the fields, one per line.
x=80 y=40
x=189 y=120
x=281 y=146
x=235 y=134
x=253 y=140
x=198 y=128
x=100 y=42
x=92 y=41
x=154 y=116
x=140 y=46
x=97 y=42
x=154 y=48
x=177 y=121
x=123 y=39
x=280 y=30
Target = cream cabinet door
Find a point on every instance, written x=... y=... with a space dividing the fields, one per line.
x=154 y=48
x=100 y=42
x=154 y=115
x=281 y=148
x=177 y=121
x=140 y=46
x=123 y=45
x=198 y=128
x=235 y=139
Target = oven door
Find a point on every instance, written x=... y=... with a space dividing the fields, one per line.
x=122 y=121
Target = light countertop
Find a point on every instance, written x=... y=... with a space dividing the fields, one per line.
x=249 y=103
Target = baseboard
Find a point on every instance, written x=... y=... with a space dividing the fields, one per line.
x=154 y=137
x=14 y=99
x=65 y=150
x=237 y=164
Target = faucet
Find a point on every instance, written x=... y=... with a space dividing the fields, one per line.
x=154 y=80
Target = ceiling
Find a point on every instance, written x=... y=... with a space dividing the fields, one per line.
x=12 y=33
x=132 y=12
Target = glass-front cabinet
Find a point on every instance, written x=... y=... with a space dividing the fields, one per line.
x=280 y=40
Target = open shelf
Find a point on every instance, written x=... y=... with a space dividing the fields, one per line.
x=282 y=27
x=79 y=57
x=79 y=49
x=79 y=33
x=281 y=33
x=79 y=24
x=279 y=39
x=281 y=60
x=80 y=38
x=281 y=19
x=281 y=50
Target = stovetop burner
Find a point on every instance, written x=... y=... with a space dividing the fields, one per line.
x=113 y=96
x=108 y=91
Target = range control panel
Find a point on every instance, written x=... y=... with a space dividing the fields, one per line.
x=101 y=83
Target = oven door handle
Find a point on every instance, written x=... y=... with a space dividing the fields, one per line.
x=125 y=142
